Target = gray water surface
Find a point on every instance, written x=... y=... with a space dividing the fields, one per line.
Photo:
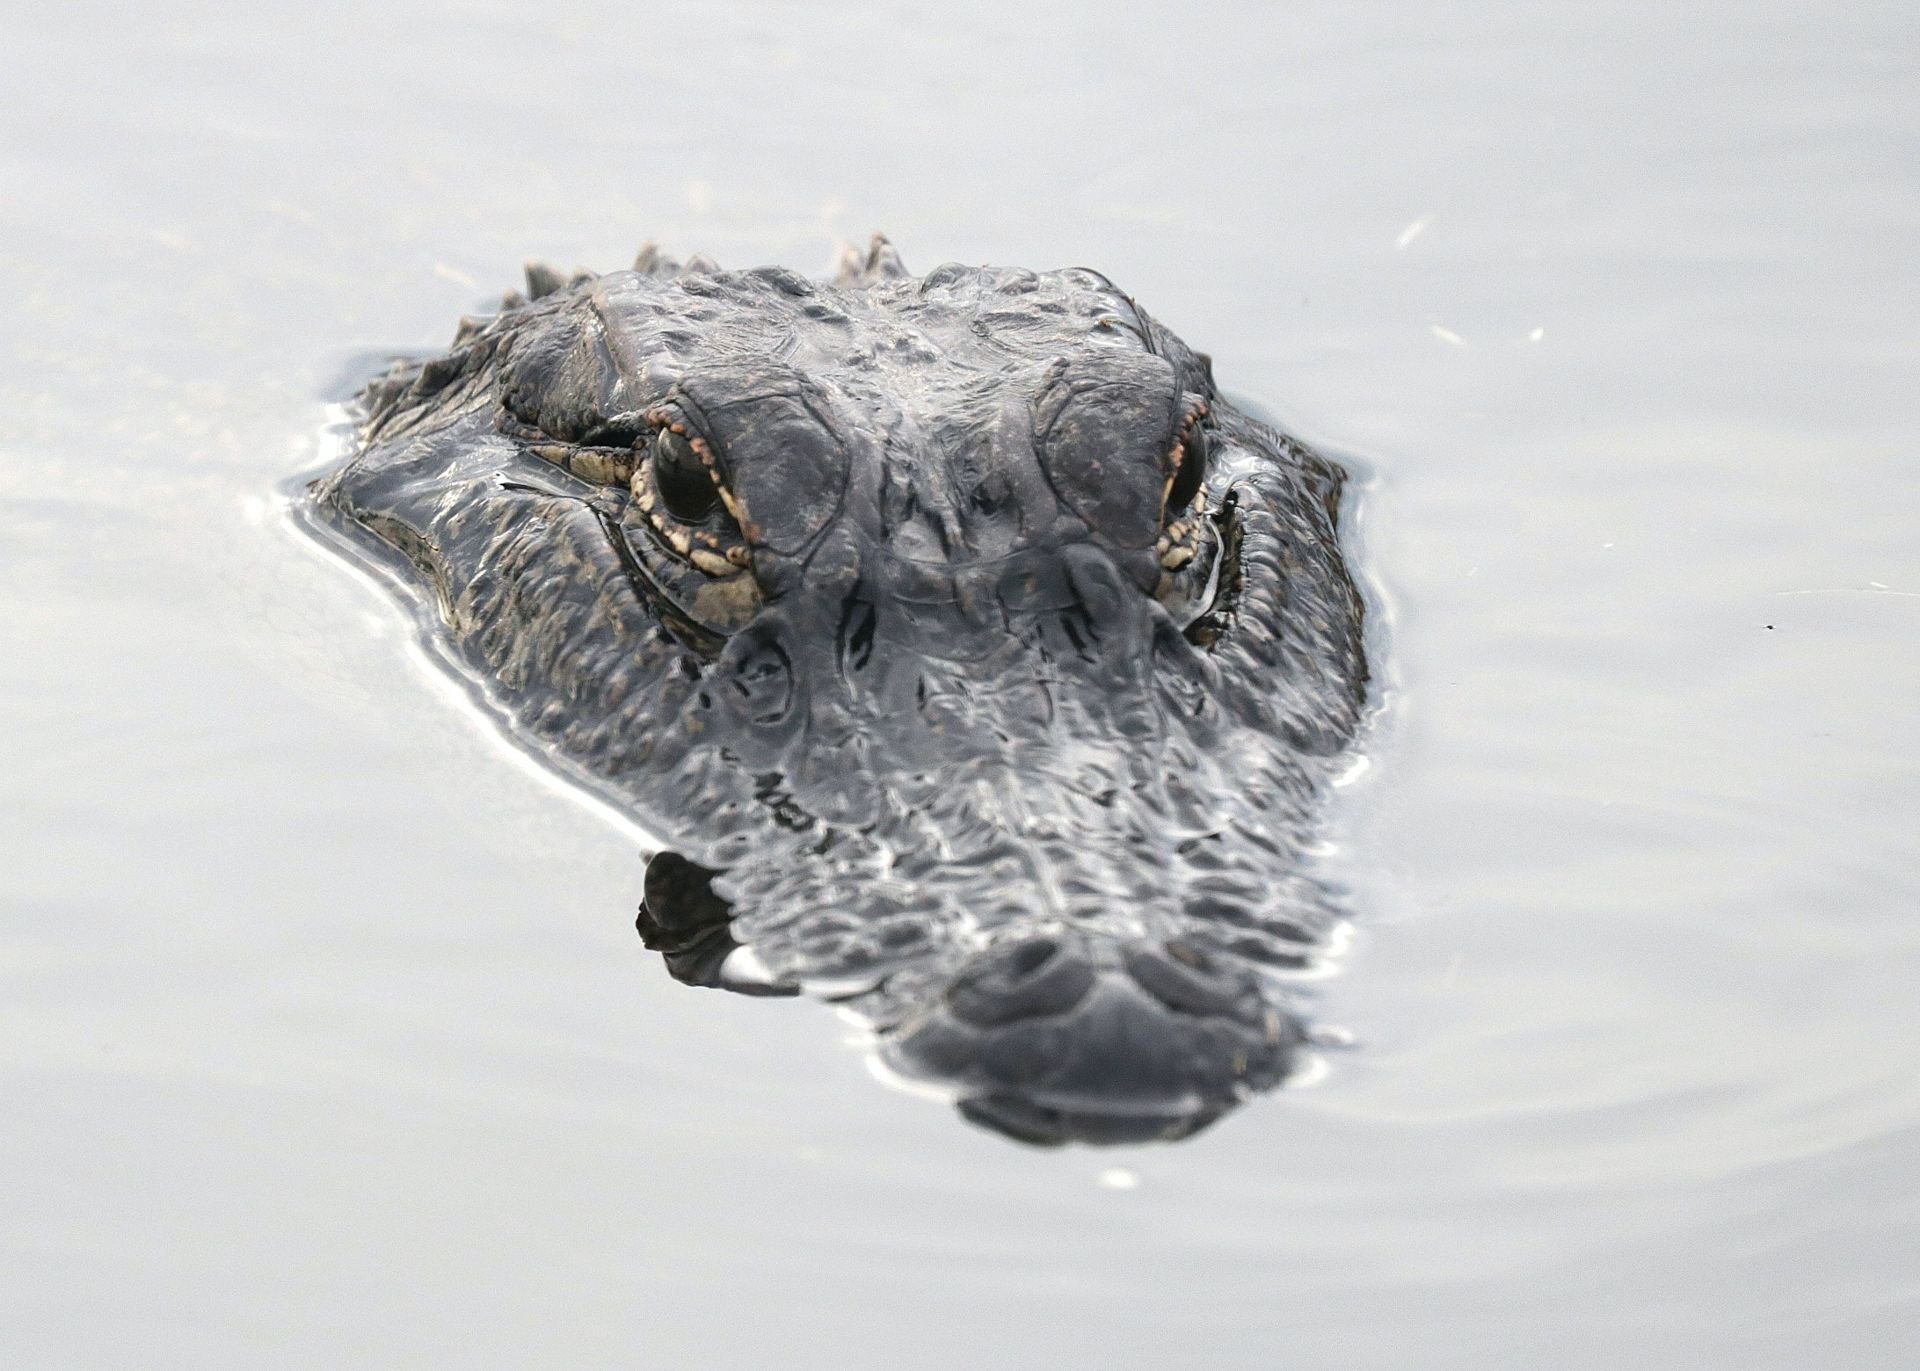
x=325 y=1036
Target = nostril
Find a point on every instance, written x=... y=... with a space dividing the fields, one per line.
x=1030 y=956
x=1188 y=980
x=1030 y=980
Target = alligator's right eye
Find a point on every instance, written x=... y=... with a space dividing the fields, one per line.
x=686 y=487
x=1190 y=454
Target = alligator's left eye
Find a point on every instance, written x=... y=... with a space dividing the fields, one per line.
x=686 y=486
x=692 y=523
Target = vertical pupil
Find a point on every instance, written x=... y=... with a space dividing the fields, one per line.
x=684 y=485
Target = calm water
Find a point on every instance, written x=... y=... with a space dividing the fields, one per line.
x=325 y=1037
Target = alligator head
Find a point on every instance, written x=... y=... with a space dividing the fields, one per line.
x=981 y=666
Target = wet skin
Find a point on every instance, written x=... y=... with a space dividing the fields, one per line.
x=982 y=668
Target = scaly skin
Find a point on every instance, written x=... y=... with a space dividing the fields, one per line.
x=980 y=665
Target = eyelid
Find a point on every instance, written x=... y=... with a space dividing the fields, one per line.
x=560 y=375
x=596 y=465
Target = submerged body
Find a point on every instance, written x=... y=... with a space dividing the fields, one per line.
x=981 y=667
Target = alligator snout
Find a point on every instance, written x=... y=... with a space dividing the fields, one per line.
x=1087 y=1035
x=1043 y=976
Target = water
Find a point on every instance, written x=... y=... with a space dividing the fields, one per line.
x=325 y=1035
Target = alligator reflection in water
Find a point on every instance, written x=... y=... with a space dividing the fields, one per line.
x=981 y=666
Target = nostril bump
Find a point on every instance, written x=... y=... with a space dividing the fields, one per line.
x=1188 y=979
x=1028 y=980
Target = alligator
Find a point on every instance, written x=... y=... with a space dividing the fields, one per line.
x=981 y=669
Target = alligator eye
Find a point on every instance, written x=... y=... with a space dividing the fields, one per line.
x=686 y=487
x=1191 y=471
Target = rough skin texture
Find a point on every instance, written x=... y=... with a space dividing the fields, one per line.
x=979 y=665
